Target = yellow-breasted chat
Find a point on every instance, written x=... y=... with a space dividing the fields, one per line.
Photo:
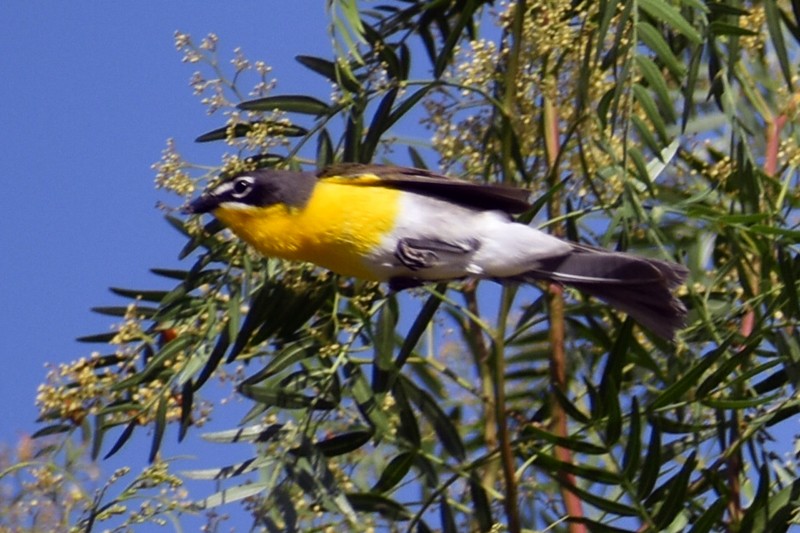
x=409 y=226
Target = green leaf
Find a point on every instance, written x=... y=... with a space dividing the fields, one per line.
x=366 y=400
x=441 y=424
x=290 y=354
x=718 y=27
x=690 y=379
x=277 y=129
x=291 y=103
x=612 y=376
x=331 y=71
x=235 y=494
x=480 y=503
x=738 y=404
x=723 y=370
x=570 y=408
x=774 y=513
x=263 y=304
x=406 y=105
x=381 y=122
x=156 y=364
x=394 y=472
x=665 y=12
x=120 y=311
x=653 y=40
x=274 y=396
x=652 y=463
x=146 y=296
x=343 y=443
x=122 y=439
x=588 y=472
x=676 y=494
x=408 y=429
x=572 y=442
x=214 y=358
x=170 y=273
x=230 y=471
x=160 y=424
x=604 y=504
x=325 y=155
x=711 y=517
x=187 y=402
x=651 y=110
x=256 y=433
x=447 y=518
x=353 y=137
x=633 y=448
x=595 y=526
x=454 y=36
x=652 y=74
x=778 y=43
x=646 y=135
x=53 y=429
x=420 y=325
x=375 y=503
x=383 y=343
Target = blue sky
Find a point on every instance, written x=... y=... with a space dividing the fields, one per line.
x=90 y=93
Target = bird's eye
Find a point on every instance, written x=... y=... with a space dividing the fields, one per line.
x=242 y=186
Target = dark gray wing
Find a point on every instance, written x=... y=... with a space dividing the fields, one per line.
x=475 y=195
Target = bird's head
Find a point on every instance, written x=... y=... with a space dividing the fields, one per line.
x=257 y=189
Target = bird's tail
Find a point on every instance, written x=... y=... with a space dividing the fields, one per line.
x=638 y=286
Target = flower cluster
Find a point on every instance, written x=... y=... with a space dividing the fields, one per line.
x=87 y=387
x=171 y=172
x=478 y=99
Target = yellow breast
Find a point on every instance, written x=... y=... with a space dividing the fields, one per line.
x=341 y=223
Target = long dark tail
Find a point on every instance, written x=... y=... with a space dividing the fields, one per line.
x=638 y=286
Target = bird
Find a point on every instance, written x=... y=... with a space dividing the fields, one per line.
x=410 y=226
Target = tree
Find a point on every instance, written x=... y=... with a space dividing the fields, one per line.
x=659 y=127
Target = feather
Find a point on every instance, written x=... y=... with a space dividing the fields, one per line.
x=427 y=183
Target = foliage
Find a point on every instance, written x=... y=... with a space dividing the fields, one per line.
x=665 y=128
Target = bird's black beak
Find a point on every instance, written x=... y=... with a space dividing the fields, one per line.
x=202 y=204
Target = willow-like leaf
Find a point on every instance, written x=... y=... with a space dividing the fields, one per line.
x=242 y=129
x=442 y=424
x=667 y=13
x=394 y=472
x=290 y=103
x=676 y=488
x=653 y=39
x=122 y=439
x=772 y=12
x=651 y=465
x=156 y=364
x=343 y=443
x=160 y=423
x=329 y=70
x=375 y=503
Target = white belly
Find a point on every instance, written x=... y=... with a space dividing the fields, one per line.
x=501 y=247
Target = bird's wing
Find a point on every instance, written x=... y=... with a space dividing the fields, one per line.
x=503 y=198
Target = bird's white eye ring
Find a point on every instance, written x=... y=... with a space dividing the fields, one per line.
x=242 y=186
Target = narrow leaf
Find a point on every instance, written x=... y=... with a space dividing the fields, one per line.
x=123 y=438
x=292 y=103
x=652 y=464
x=343 y=443
x=160 y=425
x=665 y=12
x=375 y=503
x=394 y=472
x=652 y=38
